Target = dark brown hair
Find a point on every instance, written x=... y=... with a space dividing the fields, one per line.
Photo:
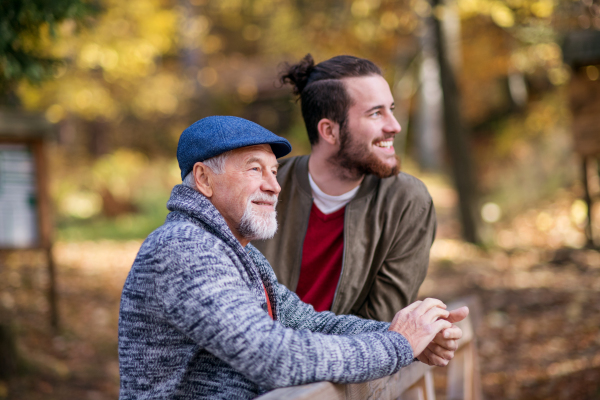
x=321 y=91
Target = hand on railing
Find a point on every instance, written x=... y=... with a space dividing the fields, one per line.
x=420 y=322
x=441 y=350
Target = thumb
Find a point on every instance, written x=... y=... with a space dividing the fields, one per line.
x=458 y=315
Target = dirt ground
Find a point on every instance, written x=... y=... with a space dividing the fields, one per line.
x=539 y=336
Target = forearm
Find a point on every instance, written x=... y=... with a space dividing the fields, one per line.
x=340 y=359
x=238 y=332
x=299 y=315
x=212 y=306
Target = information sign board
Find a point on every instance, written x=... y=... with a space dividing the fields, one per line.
x=18 y=197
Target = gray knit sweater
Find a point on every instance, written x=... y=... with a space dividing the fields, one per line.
x=193 y=325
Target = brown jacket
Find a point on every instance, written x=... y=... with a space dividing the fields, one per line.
x=389 y=227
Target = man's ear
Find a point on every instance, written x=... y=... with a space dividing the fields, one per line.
x=329 y=131
x=203 y=179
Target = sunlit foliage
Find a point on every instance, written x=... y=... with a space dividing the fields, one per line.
x=26 y=32
x=145 y=69
x=111 y=69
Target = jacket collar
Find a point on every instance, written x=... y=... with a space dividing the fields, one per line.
x=367 y=186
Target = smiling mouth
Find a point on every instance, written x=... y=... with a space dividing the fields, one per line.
x=385 y=144
x=262 y=203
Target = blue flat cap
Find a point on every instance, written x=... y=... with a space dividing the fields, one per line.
x=215 y=135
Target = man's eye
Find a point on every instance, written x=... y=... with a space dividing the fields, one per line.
x=376 y=114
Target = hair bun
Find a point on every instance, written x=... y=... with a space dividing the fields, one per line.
x=298 y=74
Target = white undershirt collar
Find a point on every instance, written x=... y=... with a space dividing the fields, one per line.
x=327 y=203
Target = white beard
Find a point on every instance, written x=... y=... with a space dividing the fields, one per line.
x=255 y=225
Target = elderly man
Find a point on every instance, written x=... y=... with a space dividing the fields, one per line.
x=202 y=314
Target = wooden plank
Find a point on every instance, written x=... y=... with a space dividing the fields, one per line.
x=21 y=124
x=422 y=390
x=45 y=226
x=476 y=377
x=456 y=377
x=429 y=386
x=414 y=380
x=389 y=387
x=312 y=391
x=414 y=393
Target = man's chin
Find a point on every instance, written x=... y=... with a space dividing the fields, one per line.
x=383 y=169
x=364 y=163
x=259 y=226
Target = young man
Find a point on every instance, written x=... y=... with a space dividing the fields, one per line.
x=355 y=232
x=202 y=314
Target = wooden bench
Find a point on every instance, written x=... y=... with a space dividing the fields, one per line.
x=415 y=382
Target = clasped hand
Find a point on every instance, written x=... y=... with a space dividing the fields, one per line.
x=430 y=330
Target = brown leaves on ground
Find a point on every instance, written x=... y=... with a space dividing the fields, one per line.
x=81 y=361
x=539 y=336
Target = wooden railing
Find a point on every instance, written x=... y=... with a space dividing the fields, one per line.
x=458 y=381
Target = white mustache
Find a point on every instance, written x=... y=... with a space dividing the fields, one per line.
x=263 y=197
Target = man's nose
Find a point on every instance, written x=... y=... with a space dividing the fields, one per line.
x=270 y=184
x=392 y=126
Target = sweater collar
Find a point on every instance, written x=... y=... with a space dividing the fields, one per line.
x=196 y=207
x=194 y=204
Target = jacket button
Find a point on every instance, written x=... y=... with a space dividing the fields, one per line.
x=265 y=307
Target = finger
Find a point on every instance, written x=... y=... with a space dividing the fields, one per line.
x=423 y=358
x=435 y=313
x=458 y=315
x=440 y=351
x=435 y=359
x=454 y=332
x=428 y=304
x=448 y=344
x=412 y=306
x=440 y=324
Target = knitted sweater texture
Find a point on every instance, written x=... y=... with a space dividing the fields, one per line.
x=193 y=325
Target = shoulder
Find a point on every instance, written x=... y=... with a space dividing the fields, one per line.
x=178 y=238
x=405 y=187
x=402 y=198
x=287 y=166
x=181 y=231
x=289 y=162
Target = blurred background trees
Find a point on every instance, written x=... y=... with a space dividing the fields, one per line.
x=121 y=80
x=26 y=32
x=141 y=71
x=27 y=29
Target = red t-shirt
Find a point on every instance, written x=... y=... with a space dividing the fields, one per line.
x=322 y=254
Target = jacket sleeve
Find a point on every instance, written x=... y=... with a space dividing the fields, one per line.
x=204 y=296
x=397 y=282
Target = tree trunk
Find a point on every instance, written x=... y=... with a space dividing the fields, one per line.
x=456 y=139
x=8 y=351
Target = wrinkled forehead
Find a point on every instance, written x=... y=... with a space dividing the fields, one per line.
x=261 y=153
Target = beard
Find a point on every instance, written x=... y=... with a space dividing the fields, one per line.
x=357 y=160
x=256 y=225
